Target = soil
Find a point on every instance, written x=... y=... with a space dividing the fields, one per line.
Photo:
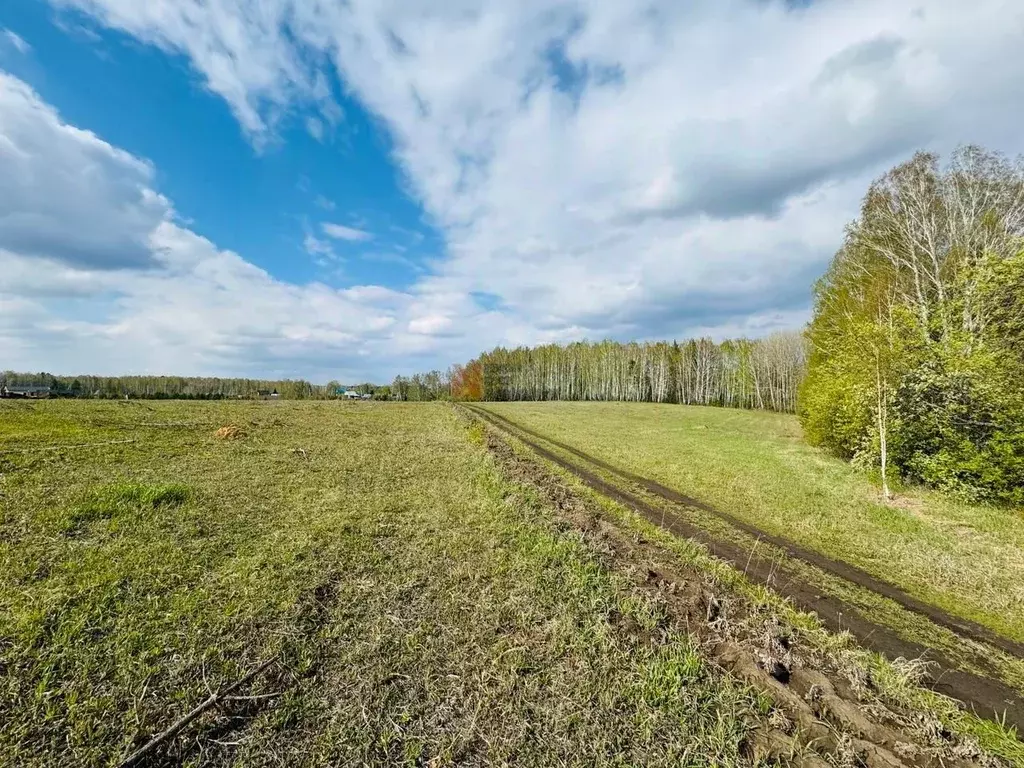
x=985 y=696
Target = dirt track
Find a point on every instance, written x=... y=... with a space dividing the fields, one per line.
x=986 y=696
x=963 y=627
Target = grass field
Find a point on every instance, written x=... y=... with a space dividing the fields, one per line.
x=423 y=598
x=967 y=559
x=421 y=607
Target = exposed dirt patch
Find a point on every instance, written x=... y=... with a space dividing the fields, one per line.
x=963 y=627
x=229 y=432
x=821 y=707
x=906 y=503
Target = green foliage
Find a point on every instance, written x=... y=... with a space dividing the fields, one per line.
x=918 y=331
x=961 y=424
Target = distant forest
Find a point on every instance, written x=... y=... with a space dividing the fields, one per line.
x=174 y=387
x=763 y=373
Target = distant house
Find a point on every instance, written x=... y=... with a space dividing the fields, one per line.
x=351 y=394
x=33 y=391
x=266 y=394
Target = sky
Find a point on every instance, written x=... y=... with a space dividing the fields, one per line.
x=356 y=189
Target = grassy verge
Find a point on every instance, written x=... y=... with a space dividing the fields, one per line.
x=421 y=607
x=967 y=559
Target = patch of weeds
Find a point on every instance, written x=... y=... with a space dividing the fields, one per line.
x=476 y=432
x=665 y=677
x=124 y=500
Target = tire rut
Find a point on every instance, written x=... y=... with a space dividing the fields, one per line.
x=851 y=573
x=987 y=697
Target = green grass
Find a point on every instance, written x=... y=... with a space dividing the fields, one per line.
x=423 y=608
x=967 y=559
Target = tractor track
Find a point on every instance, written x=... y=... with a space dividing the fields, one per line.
x=963 y=627
x=986 y=696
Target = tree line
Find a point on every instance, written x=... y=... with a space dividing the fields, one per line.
x=167 y=387
x=744 y=373
x=433 y=385
x=917 y=341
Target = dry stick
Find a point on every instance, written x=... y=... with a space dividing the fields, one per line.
x=63 y=447
x=163 y=736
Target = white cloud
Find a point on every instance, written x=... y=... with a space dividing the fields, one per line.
x=315 y=128
x=321 y=250
x=430 y=325
x=340 y=232
x=325 y=203
x=68 y=194
x=173 y=302
x=604 y=167
x=17 y=41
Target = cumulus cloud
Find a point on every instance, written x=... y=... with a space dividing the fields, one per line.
x=582 y=155
x=67 y=194
x=603 y=167
x=340 y=232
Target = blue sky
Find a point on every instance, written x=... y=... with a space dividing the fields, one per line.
x=259 y=202
x=351 y=190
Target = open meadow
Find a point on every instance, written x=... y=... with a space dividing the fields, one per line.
x=401 y=584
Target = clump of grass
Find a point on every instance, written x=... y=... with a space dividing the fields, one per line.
x=119 y=500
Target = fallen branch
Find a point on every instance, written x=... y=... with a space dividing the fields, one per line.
x=64 y=447
x=261 y=697
x=183 y=721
